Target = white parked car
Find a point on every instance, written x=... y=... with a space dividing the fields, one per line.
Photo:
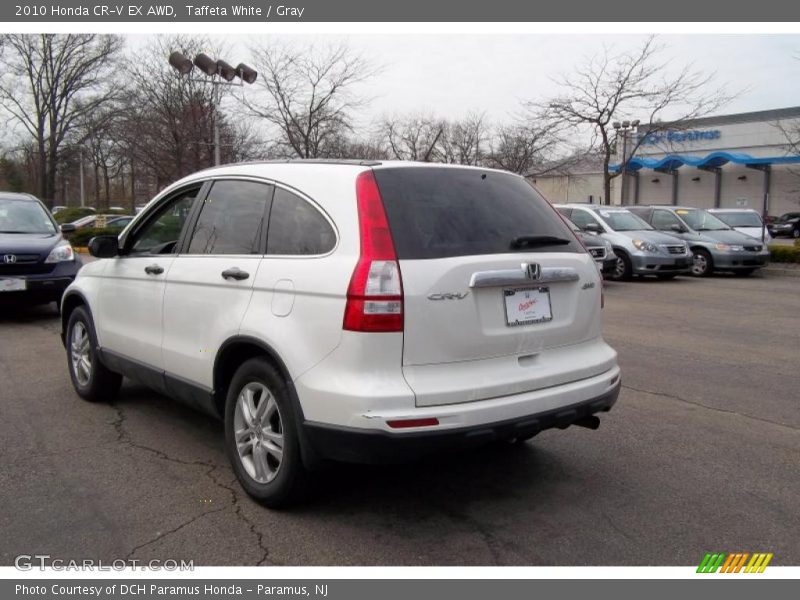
x=356 y=311
x=744 y=220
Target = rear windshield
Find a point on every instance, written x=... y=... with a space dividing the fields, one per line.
x=437 y=212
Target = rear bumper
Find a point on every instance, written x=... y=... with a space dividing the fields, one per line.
x=350 y=444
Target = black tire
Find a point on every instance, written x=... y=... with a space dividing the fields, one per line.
x=796 y=232
x=703 y=264
x=289 y=480
x=94 y=382
x=624 y=268
x=666 y=276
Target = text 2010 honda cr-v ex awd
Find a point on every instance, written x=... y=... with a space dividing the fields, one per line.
x=356 y=311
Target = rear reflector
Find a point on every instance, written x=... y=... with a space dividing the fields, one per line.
x=375 y=293
x=406 y=423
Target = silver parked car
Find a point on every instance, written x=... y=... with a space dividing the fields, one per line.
x=714 y=245
x=639 y=248
x=601 y=249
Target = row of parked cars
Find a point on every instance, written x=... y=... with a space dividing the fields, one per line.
x=667 y=241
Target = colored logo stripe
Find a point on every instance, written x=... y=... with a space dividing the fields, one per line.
x=711 y=562
x=733 y=563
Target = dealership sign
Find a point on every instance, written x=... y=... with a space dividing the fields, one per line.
x=679 y=136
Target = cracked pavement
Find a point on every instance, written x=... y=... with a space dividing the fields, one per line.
x=701 y=453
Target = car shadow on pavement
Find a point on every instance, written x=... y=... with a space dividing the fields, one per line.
x=495 y=472
x=18 y=311
x=483 y=473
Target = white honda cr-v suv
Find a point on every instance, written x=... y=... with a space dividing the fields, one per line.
x=357 y=311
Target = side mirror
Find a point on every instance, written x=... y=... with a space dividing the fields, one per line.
x=104 y=246
x=68 y=228
x=676 y=228
x=593 y=228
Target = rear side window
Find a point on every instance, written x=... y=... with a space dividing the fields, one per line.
x=231 y=219
x=443 y=212
x=297 y=228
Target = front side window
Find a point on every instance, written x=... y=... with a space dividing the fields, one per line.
x=297 y=228
x=664 y=220
x=581 y=218
x=24 y=216
x=160 y=234
x=231 y=218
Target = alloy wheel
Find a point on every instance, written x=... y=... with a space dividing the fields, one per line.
x=619 y=269
x=699 y=265
x=258 y=428
x=80 y=354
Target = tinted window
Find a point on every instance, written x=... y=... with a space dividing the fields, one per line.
x=296 y=227
x=231 y=218
x=24 y=216
x=160 y=234
x=441 y=212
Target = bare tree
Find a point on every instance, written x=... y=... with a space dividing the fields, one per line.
x=637 y=84
x=166 y=124
x=413 y=137
x=529 y=148
x=308 y=95
x=50 y=82
x=465 y=141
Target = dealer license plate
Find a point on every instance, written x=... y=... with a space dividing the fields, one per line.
x=12 y=285
x=527 y=305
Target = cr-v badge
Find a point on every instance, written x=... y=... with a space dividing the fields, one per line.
x=448 y=296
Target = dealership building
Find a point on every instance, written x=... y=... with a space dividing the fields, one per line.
x=740 y=160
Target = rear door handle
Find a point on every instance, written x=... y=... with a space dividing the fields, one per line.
x=235 y=273
x=154 y=269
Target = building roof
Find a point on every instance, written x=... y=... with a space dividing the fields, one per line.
x=775 y=114
x=713 y=160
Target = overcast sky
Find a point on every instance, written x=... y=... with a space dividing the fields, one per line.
x=451 y=74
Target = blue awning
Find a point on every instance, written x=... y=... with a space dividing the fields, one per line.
x=715 y=159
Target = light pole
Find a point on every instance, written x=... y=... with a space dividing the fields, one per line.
x=219 y=73
x=80 y=162
x=623 y=129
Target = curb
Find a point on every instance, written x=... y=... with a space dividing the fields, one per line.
x=773 y=271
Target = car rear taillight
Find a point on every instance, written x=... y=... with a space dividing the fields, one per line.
x=375 y=293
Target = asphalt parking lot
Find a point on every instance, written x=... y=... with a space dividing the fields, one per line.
x=701 y=453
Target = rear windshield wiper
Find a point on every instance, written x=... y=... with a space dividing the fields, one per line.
x=530 y=241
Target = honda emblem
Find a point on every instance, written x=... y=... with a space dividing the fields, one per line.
x=532 y=271
x=9 y=259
